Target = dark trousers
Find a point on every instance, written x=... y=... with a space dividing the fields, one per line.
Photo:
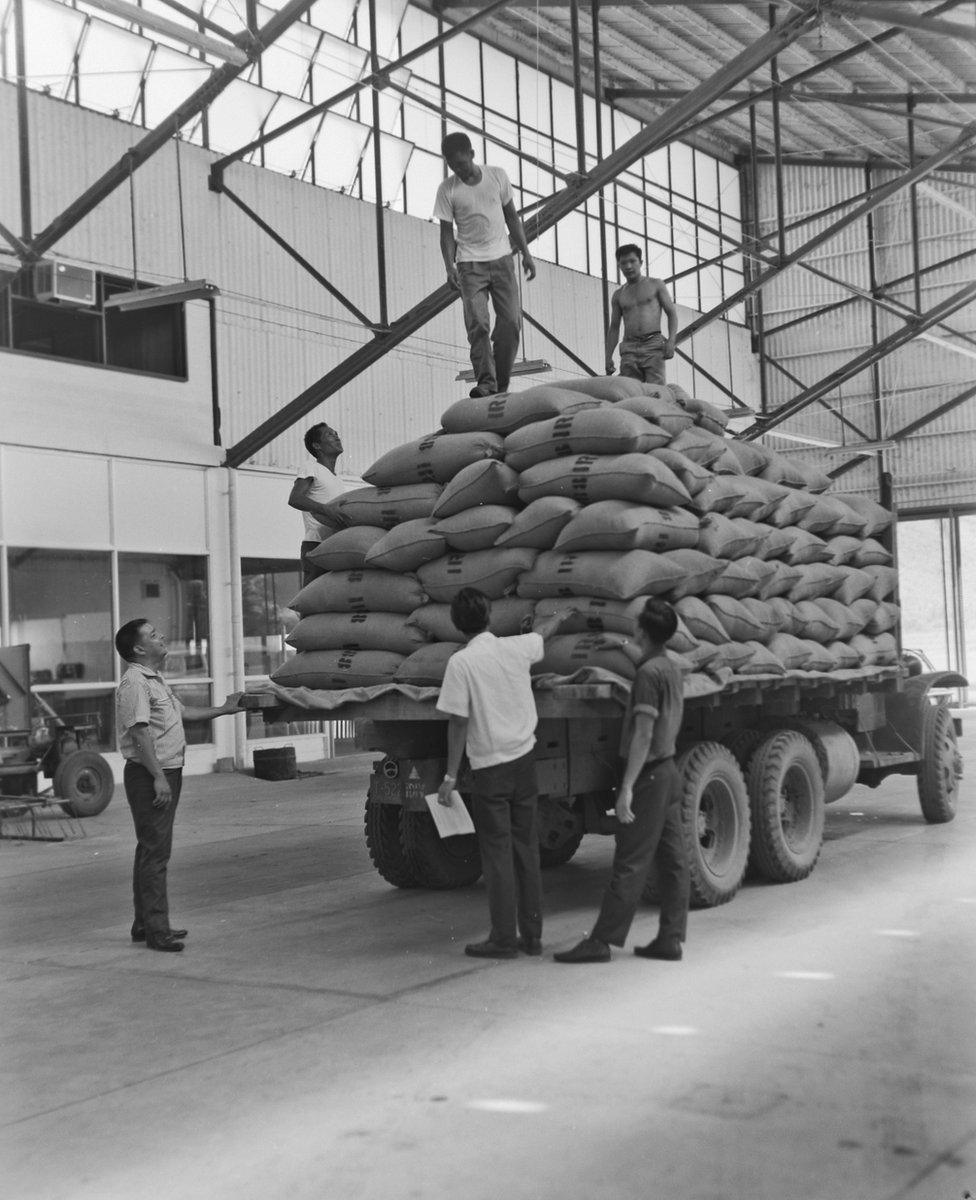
x=653 y=837
x=154 y=842
x=505 y=817
x=492 y=350
x=309 y=570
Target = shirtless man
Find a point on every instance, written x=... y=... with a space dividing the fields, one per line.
x=639 y=303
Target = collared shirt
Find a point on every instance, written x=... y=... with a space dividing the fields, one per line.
x=476 y=211
x=658 y=692
x=488 y=682
x=145 y=698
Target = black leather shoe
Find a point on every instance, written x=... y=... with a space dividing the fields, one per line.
x=531 y=946
x=139 y=935
x=669 y=950
x=167 y=942
x=589 y=950
x=490 y=949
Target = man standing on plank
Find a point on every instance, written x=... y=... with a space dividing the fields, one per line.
x=478 y=203
x=639 y=304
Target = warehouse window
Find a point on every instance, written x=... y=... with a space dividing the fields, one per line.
x=267 y=584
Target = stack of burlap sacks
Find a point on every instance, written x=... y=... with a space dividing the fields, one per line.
x=595 y=495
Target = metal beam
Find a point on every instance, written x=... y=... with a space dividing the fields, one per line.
x=23 y=127
x=891 y=14
x=11 y=237
x=657 y=134
x=172 y=29
x=877 y=197
x=790 y=91
x=547 y=333
x=203 y=22
x=861 y=362
x=158 y=137
x=376 y=78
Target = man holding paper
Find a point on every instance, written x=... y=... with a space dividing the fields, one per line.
x=487 y=694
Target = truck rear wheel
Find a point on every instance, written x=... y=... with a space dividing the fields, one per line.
x=560 y=831
x=715 y=817
x=941 y=767
x=786 y=792
x=436 y=862
x=84 y=782
x=385 y=845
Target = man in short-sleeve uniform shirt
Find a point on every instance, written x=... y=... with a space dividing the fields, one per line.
x=648 y=805
x=487 y=693
x=477 y=203
x=150 y=724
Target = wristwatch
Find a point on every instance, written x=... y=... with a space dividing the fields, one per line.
x=450 y=778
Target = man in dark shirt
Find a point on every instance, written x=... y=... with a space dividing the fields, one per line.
x=648 y=805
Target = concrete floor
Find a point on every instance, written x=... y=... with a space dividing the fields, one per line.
x=323 y=1035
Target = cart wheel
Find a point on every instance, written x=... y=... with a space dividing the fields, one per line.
x=941 y=767
x=715 y=818
x=436 y=862
x=560 y=831
x=84 y=782
x=786 y=790
x=385 y=844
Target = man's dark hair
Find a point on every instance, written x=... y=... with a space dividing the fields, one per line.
x=127 y=637
x=658 y=621
x=455 y=142
x=630 y=248
x=314 y=435
x=471 y=611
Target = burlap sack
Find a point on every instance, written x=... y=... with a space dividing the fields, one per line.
x=701 y=657
x=781 y=582
x=816 y=579
x=737 y=621
x=760 y=661
x=707 y=416
x=607 y=574
x=406 y=546
x=660 y=411
x=846 y=619
x=886 y=650
x=884 y=581
x=493 y=572
x=866 y=648
x=677 y=391
x=476 y=528
x=843 y=550
x=721 y=538
x=793 y=653
x=360 y=591
x=426 y=666
x=435 y=458
x=768 y=618
x=752 y=457
x=693 y=475
x=878 y=518
x=346 y=549
x=815 y=623
x=591 y=614
x=488 y=482
x=503 y=414
x=780 y=469
x=619 y=525
x=697 y=571
x=567 y=654
x=733 y=654
x=357 y=631
x=743 y=577
x=819 y=658
x=861 y=611
x=871 y=554
x=332 y=670
x=611 y=388
x=701 y=621
x=814 y=480
x=507 y=615
x=699 y=445
x=775 y=542
x=854 y=584
x=640 y=478
x=806 y=547
x=726 y=463
x=733 y=496
x=592 y=431
x=884 y=618
x=791 y=508
x=781 y=611
x=540 y=523
x=822 y=516
x=846 y=657
x=756 y=532
x=387 y=506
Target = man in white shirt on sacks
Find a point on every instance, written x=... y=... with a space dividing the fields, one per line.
x=477 y=201
x=487 y=694
x=311 y=493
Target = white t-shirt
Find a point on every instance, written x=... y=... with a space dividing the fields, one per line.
x=476 y=210
x=488 y=682
x=325 y=488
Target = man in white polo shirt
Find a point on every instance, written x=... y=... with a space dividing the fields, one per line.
x=487 y=694
x=478 y=203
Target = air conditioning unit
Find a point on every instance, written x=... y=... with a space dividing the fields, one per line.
x=57 y=280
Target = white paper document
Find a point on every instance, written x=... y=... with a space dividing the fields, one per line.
x=450 y=821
